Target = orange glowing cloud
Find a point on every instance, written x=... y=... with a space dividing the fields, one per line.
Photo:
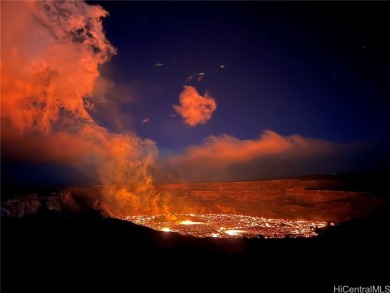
x=50 y=53
x=50 y=58
x=271 y=155
x=194 y=108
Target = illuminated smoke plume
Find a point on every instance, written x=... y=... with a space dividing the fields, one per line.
x=227 y=158
x=194 y=108
x=50 y=53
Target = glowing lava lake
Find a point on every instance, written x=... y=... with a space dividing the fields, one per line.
x=287 y=208
x=229 y=225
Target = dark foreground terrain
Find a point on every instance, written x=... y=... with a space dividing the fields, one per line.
x=62 y=248
x=86 y=253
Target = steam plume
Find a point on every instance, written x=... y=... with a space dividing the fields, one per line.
x=50 y=55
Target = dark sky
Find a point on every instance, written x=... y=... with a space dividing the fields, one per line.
x=318 y=69
x=287 y=88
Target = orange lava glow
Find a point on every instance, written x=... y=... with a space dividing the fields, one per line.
x=231 y=226
x=188 y=222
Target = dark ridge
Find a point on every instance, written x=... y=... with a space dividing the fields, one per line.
x=362 y=182
x=51 y=253
x=69 y=245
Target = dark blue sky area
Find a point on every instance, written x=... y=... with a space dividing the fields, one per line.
x=316 y=69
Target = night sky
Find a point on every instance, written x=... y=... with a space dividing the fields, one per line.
x=316 y=69
x=305 y=74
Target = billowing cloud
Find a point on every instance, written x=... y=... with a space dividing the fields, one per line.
x=194 y=108
x=50 y=53
x=271 y=155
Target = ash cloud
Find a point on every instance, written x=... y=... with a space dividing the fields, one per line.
x=50 y=53
x=194 y=108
